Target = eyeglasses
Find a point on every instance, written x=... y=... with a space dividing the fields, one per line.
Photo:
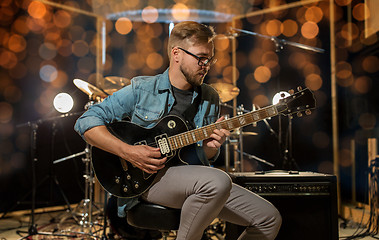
x=202 y=61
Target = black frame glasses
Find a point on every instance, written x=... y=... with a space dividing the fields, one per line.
x=202 y=61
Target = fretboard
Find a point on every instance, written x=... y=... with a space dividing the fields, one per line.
x=187 y=138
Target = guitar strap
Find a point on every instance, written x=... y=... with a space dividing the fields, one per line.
x=190 y=112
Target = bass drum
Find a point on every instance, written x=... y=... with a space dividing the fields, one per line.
x=122 y=229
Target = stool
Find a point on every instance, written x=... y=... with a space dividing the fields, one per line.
x=154 y=217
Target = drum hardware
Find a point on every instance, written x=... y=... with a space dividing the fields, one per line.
x=279 y=43
x=235 y=140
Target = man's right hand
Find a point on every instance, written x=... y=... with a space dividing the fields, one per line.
x=144 y=157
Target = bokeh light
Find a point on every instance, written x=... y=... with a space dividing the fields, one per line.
x=6 y=112
x=362 y=84
x=123 y=25
x=371 y=64
x=262 y=74
x=361 y=12
x=154 y=61
x=63 y=102
x=180 y=12
x=309 y=30
x=314 y=14
x=48 y=73
x=150 y=14
x=37 y=9
x=289 y=28
x=313 y=82
x=47 y=51
x=261 y=100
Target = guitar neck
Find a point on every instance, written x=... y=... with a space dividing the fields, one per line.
x=187 y=138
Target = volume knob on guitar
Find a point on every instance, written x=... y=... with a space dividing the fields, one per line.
x=136 y=185
x=117 y=180
x=125 y=188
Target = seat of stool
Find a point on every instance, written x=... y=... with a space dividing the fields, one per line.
x=154 y=217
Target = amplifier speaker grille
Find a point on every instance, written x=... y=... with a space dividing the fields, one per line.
x=307 y=202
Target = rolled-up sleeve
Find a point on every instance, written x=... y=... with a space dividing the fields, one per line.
x=114 y=108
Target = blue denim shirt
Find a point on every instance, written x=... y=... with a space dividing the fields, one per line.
x=145 y=101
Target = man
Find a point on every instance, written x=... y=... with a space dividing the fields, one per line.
x=201 y=192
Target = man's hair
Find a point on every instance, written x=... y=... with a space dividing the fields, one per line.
x=189 y=32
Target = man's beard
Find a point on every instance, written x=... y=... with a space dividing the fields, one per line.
x=194 y=79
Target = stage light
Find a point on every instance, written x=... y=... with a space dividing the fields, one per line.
x=63 y=102
x=278 y=96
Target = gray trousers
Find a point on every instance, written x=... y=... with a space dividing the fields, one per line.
x=205 y=193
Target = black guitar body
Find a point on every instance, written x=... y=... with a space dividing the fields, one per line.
x=118 y=176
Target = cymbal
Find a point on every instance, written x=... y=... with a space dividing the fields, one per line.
x=117 y=81
x=226 y=91
x=89 y=89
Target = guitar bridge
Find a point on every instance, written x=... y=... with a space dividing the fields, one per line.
x=162 y=143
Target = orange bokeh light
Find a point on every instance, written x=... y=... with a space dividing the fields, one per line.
x=123 y=25
x=314 y=14
x=309 y=30
x=313 y=82
x=16 y=43
x=343 y=69
x=262 y=74
x=289 y=28
x=273 y=27
x=371 y=64
x=37 y=9
x=154 y=61
x=62 y=19
x=180 y=12
x=261 y=100
x=361 y=12
x=362 y=84
x=343 y=2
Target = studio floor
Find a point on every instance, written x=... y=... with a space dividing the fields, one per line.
x=59 y=223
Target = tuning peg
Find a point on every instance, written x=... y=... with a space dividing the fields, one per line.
x=299 y=88
x=299 y=114
x=308 y=112
x=291 y=91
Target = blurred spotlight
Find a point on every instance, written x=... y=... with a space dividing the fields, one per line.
x=63 y=102
x=279 y=96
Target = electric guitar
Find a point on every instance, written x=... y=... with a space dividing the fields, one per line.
x=171 y=135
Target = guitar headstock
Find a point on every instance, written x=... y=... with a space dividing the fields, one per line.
x=300 y=102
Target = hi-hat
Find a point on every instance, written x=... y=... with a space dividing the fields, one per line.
x=89 y=89
x=226 y=91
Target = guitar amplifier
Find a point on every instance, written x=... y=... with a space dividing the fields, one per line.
x=307 y=202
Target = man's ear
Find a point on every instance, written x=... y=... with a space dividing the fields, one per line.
x=175 y=54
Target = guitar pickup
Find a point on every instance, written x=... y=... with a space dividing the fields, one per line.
x=163 y=144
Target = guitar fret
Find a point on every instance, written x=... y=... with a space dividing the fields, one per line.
x=186 y=138
x=176 y=144
x=193 y=137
